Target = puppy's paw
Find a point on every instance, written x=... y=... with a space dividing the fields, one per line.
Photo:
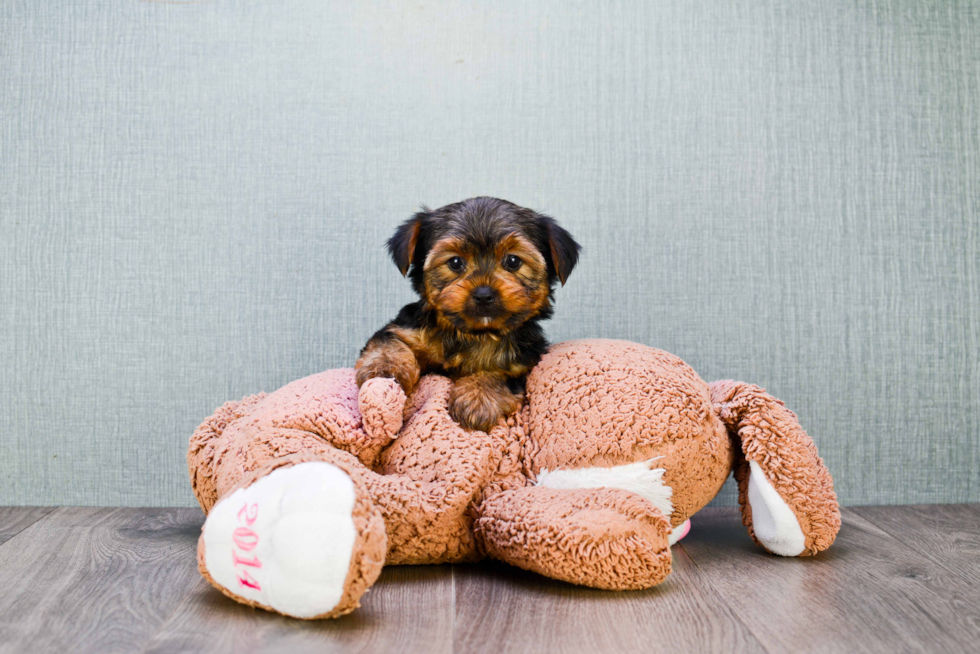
x=480 y=401
x=394 y=360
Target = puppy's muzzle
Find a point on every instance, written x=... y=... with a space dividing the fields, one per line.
x=484 y=302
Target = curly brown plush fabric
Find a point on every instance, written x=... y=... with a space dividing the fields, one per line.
x=604 y=538
x=617 y=444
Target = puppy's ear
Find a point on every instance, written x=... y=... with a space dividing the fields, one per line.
x=401 y=246
x=562 y=248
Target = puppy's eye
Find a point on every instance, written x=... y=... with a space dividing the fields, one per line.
x=512 y=262
x=456 y=264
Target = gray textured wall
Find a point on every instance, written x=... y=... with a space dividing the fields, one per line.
x=194 y=197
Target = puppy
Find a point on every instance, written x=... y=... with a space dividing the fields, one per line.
x=485 y=271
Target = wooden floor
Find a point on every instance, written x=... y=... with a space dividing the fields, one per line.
x=897 y=579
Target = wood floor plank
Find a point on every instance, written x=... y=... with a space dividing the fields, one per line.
x=898 y=579
x=15 y=519
x=868 y=593
x=504 y=609
x=95 y=580
x=409 y=609
x=949 y=534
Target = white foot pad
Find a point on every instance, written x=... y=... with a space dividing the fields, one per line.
x=285 y=541
x=773 y=521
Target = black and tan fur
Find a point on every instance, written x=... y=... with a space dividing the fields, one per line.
x=485 y=271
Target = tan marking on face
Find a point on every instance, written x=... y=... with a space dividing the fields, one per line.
x=444 y=288
x=524 y=292
x=518 y=244
x=521 y=293
x=442 y=251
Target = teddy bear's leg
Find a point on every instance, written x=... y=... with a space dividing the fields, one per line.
x=323 y=409
x=205 y=444
x=427 y=521
x=280 y=535
x=785 y=491
x=299 y=536
x=600 y=537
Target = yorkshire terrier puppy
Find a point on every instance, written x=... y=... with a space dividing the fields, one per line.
x=485 y=271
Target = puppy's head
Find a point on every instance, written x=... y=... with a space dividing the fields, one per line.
x=485 y=265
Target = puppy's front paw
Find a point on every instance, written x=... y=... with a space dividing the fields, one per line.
x=475 y=413
x=480 y=401
x=393 y=360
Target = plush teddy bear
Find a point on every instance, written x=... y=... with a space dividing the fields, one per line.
x=311 y=489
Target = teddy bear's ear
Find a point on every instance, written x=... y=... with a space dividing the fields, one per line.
x=401 y=246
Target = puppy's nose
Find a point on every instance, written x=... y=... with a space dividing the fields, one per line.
x=483 y=295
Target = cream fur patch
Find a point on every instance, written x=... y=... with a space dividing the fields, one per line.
x=774 y=523
x=285 y=541
x=640 y=478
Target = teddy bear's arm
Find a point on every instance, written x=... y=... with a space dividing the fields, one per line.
x=599 y=537
x=785 y=491
x=381 y=403
x=330 y=408
x=205 y=443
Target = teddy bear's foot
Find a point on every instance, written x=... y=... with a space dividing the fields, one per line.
x=293 y=542
x=599 y=537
